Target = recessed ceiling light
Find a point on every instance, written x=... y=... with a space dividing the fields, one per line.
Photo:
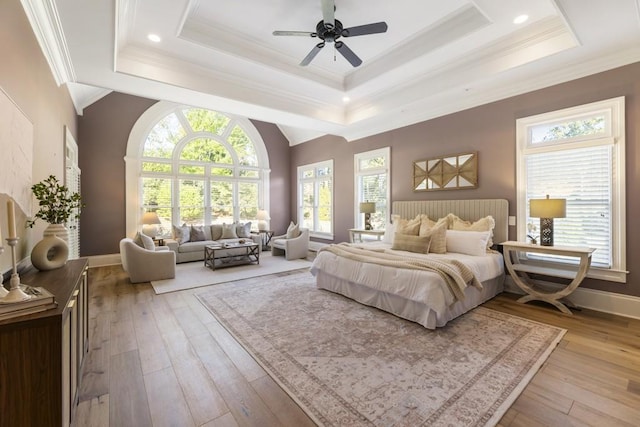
x=154 y=38
x=346 y=99
x=520 y=19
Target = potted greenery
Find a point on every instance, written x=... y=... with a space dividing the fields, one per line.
x=57 y=205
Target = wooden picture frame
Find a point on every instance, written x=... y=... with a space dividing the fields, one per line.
x=453 y=172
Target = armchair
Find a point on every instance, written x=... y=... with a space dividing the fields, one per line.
x=145 y=265
x=292 y=248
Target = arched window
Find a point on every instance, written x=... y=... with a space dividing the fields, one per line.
x=195 y=166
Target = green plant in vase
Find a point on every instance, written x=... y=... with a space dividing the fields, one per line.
x=57 y=203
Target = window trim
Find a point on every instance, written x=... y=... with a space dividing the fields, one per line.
x=300 y=181
x=358 y=218
x=614 y=134
x=134 y=159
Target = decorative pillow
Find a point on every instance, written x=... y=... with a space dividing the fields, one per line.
x=138 y=239
x=389 y=233
x=468 y=242
x=197 y=233
x=229 y=231
x=408 y=226
x=147 y=242
x=427 y=224
x=243 y=230
x=438 y=235
x=216 y=232
x=293 y=231
x=417 y=244
x=182 y=234
x=483 y=224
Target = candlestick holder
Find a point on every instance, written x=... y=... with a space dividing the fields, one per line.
x=3 y=291
x=15 y=293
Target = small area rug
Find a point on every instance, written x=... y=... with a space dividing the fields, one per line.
x=349 y=364
x=195 y=274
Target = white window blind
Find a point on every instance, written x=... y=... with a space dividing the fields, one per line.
x=583 y=177
x=372 y=171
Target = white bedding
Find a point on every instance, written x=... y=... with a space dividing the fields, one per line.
x=417 y=295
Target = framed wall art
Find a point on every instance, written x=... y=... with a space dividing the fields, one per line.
x=453 y=172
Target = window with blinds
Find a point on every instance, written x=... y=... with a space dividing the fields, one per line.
x=372 y=171
x=315 y=198
x=577 y=154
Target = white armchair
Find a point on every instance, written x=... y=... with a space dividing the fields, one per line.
x=145 y=265
x=292 y=248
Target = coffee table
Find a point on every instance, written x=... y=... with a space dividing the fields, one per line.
x=228 y=255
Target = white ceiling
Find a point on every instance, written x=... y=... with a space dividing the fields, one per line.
x=437 y=57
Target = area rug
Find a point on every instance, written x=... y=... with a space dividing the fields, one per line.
x=349 y=364
x=195 y=274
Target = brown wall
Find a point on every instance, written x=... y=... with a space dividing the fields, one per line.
x=104 y=131
x=26 y=77
x=490 y=130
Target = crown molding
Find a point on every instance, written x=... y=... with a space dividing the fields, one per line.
x=45 y=22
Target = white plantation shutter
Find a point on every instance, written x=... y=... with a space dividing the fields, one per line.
x=315 y=198
x=583 y=177
x=372 y=171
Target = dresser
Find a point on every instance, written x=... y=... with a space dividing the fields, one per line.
x=41 y=354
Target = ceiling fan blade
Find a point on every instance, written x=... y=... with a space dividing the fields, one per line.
x=294 y=33
x=307 y=59
x=361 y=30
x=328 y=13
x=348 y=54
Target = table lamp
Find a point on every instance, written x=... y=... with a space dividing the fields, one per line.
x=262 y=217
x=547 y=209
x=150 y=222
x=367 y=208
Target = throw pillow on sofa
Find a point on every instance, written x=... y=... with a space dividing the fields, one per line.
x=216 y=232
x=229 y=231
x=244 y=230
x=182 y=234
x=197 y=234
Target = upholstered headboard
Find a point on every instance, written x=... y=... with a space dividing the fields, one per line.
x=470 y=210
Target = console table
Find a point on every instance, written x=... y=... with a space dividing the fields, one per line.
x=520 y=271
x=42 y=353
x=355 y=234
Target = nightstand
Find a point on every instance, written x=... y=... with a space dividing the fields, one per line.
x=355 y=234
x=520 y=271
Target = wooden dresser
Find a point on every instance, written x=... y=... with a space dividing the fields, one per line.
x=41 y=354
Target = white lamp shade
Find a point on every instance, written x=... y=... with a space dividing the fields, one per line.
x=263 y=215
x=150 y=218
x=150 y=222
x=548 y=208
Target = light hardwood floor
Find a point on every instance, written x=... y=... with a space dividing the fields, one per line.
x=163 y=360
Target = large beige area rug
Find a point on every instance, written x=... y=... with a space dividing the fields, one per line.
x=347 y=364
x=194 y=274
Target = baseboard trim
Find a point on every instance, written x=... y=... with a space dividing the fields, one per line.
x=606 y=302
x=104 y=260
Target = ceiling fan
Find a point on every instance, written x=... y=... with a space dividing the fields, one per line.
x=329 y=30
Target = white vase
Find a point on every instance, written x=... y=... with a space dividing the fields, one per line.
x=59 y=230
x=49 y=253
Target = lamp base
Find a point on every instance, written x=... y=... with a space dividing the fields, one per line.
x=262 y=225
x=367 y=221
x=150 y=230
x=546 y=231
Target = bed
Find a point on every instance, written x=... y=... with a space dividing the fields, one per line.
x=419 y=295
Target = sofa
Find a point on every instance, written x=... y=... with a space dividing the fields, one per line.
x=188 y=241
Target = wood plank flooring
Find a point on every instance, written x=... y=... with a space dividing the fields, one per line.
x=163 y=360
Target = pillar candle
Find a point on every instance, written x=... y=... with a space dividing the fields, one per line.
x=12 y=219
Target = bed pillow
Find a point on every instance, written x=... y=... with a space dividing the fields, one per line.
x=389 y=233
x=410 y=227
x=197 y=233
x=243 y=230
x=229 y=231
x=427 y=224
x=182 y=234
x=293 y=231
x=468 y=242
x=438 y=235
x=417 y=244
x=483 y=224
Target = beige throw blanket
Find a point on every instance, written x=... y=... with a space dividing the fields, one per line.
x=454 y=273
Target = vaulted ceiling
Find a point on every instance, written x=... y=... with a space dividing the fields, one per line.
x=436 y=57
